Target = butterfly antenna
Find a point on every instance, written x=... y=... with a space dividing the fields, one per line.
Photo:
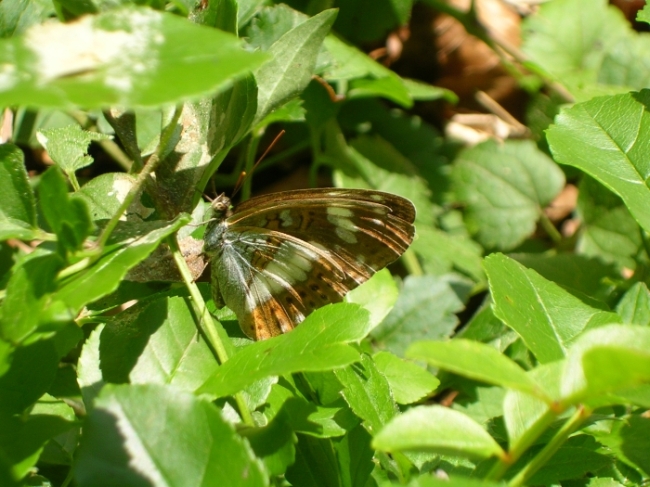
x=243 y=175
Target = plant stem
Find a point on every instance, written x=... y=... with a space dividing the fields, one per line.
x=213 y=331
x=147 y=170
x=549 y=228
x=412 y=263
x=551 y=447
x=251 y=150
x=530 y=436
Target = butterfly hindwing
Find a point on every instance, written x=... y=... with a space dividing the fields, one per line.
x=278 y=257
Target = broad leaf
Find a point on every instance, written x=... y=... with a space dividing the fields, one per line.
x=608 y=359
x=367 y=392
x=608 y=138
x=634 y=306
x=17 y=205
x=157 y=343
x=546 y=317
x=505 y=187
x=438 y=429
x=425 y=309
x=321 y=342
x=475 y=361
x=131 y=56
x=608 y=230
x=155 y=435
x=68 y=146
x=294 y=58
x=125 y=250
x=408 y=382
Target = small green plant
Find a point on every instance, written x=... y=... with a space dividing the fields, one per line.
x=502 y=350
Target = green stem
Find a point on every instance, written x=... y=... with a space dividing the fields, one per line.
x=539 y=427
x=572 y=424
x=644 y=241
x=249 y=163
x=73 y=180
x=412 y=263
x=212 y=330
x=146 y=172
x=68 y=478
x=549 y=228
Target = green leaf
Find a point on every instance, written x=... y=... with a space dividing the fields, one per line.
x=292 y=111
x=68 y=146
x=546 y=317
x=389 y=87
x=130 y=56
x=29 y=295
x=33 y=368
x=89 y=374
x=105 y=193
x=588 y=279
x=630 y=440
x=151 y=434
x=608 y=139
x=294 y=58
x=574 y=460
x=365 y=22
x=22 y=441
x=575 y=55
x=476 y=361
x=355 y=456
x=634 y=306
x=17 y=206
x=443 y=252
x=18 y=15
x=349 y=63
x=505 y=187
x=156 y=342
x=125 y=250
x=424 y=92
x=274 y=443
x=526 y=416
x=484 y=327
x=367 y=392
x=67 y=215
x=425 y=308
x=437 y=429
x=608 y=359
x=608 y=231
x=321 y=342
x=408 y=382
x=380 y=284
x=316 y=464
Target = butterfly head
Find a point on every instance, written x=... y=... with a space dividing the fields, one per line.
x=221 y=207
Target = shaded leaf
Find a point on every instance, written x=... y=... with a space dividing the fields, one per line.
x=505 y=187
x=156 y=435
x=425 y=309
x=546 y=317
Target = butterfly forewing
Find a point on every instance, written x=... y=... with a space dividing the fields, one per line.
x=278 y=257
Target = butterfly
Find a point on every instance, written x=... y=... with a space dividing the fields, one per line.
x=278 y=257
